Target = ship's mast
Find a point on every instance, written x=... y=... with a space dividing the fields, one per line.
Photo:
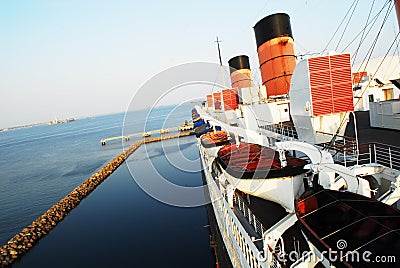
x=219 y=51
x=220 y=61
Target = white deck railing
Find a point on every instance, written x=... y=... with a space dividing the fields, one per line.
x=386 y=155
x=285 y=132
x=248 y=213
x=344 y=150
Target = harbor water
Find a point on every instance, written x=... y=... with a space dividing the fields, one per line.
x=118 y=224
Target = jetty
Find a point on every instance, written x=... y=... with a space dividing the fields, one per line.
x=30 y=235
x=182 y=128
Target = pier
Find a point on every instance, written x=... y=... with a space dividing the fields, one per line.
x=18 y=245
x=162 y=131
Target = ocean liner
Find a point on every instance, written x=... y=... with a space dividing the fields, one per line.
x=290 y=180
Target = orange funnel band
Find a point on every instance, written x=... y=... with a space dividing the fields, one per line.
x=240 y=71
x=275 y=53
x=241 y=78
x=277 y=62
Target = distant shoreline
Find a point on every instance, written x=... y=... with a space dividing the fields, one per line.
x=50 y=123
x=83 y=117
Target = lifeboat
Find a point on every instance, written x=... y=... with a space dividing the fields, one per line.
x=248 y=161
x=346 y=224
x=257 y=170
x=214 y=139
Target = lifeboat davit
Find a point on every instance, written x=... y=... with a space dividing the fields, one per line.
x=257 y=170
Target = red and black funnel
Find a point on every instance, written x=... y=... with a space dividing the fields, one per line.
x=275 y=49
x=240 y=71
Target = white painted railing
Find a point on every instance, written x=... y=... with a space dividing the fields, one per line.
x=345 y=150
x=285 y=132
x=386 y=155
x=242 y=250
x=253 y=220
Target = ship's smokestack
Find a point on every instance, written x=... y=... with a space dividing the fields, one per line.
x=275 y=53
x=240 y=71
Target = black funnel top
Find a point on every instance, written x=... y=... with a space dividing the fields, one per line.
x=271 y=27
x=238 y=63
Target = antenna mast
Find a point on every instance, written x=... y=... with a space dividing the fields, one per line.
x=220 y=61
x=219 y=51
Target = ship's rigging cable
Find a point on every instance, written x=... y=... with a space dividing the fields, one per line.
x=216 y=78
x=347 y=24
x=337 y=29
x=369 y=55
x=396 y=64
x=220 y=69
x=371 y=49
x=256 y=77
x=255 y=72
x=362 y=35
x=380 y=64
x=373 y=21
x=397 y=47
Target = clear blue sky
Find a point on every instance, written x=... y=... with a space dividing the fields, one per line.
x=80 y=58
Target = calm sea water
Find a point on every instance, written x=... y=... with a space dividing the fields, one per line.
x=118 y=224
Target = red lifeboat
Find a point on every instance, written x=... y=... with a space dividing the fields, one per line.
x=247 y=160
x=328 y=217
x=214 y=138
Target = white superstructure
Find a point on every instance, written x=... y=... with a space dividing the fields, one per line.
x=300 y=112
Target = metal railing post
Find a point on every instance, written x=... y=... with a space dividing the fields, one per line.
x=356 y=133
x=370 y=153
x=390 y=158
x=357 y=153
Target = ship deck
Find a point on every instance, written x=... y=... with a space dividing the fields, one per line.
x=367 y=134
x=268 y=214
